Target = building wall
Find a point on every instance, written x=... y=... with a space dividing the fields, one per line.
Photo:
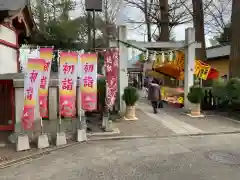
x=8 y=50
x=222 y=65
x=7 y=35
x=8 y=60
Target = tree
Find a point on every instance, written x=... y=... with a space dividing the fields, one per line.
x=225 y=37
x=217 y=16
x=104 y=22
x=56 y=28
x=162 y=14
x=198 y=21
x=147 y=20
x=235 y=43
x=163 y=26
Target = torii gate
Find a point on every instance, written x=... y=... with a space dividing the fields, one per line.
x=189 y=45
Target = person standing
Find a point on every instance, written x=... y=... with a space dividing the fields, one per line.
x=135 y=83
x=160 y=103
x=145 y=88
x=154 y=94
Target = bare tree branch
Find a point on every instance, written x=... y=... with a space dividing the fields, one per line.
x=217 y=16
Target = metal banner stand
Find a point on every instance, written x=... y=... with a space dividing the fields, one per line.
x=81 y=131
x=41 y=124
x=60 y=118
x=43 y=141
x=22 y=143
x=61 y=136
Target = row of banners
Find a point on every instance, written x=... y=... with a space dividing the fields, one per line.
x=37 y=76
x=201 y=69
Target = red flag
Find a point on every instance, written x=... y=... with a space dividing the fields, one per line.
x=111 y=62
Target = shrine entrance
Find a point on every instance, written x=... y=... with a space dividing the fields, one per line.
x=187 y=61
x=7 y=116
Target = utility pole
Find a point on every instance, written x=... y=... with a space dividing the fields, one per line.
x=94 y=31
x=106 y=21
x=94 y=6
x=89 y=22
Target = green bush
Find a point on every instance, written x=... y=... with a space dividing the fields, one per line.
x=219 y=91
x=219 y=87
x=233 y=91
x=130 y=96
x=195 y=94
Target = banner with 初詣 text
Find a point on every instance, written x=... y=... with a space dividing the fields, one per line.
x=68 y=83
x=46 y=54
x=32 y=78
x=88 y=81
x=111 y=60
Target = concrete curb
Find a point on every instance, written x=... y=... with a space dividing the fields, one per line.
x=37 y=155
x=115 y=132
x=159 y=137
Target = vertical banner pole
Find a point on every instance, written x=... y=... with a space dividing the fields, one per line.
x=81 y=131
x=80 y=108
x=79 y=92
x=60 y=117
x=59 y=107
x=41 y=123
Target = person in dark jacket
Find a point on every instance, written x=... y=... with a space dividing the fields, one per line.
x=145 y=87
x=160 y=103
x=135 y=83
x=154 y=94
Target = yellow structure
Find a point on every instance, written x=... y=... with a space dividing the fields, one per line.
x=218 y=58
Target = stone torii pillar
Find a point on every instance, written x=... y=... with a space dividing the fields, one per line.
x=123 y=59
x=189 y=63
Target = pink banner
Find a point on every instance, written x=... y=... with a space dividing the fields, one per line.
x=68 y=83
x=88 y=81
x=31 y=85
x=46 y=54
x=111 y=60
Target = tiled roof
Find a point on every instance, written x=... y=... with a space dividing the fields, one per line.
x=218 y=51
x=12 y=4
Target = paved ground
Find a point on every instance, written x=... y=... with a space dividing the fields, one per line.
x=182 y=158
x=168 y=122
x=210 y=123
x=172 y=121
x=145 y=126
